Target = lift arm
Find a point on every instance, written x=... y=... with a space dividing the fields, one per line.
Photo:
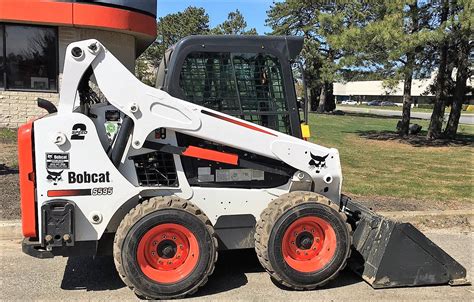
x=151 y=108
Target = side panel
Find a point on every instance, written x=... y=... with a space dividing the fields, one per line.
x=27 y=179
x=80 y=170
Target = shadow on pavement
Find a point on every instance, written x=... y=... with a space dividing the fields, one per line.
x=99 y=274
x=91 y=274
x=230 y=271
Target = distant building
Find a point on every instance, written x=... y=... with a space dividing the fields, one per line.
x=366 y=91
x=34 y=35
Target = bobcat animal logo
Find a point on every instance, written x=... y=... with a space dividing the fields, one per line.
x=318 y=162
x=54 y=176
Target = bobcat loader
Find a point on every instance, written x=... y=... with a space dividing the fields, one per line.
x=213 y=158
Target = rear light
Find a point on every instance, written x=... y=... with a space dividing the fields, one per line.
x=27 y=179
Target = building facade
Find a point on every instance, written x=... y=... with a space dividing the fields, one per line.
x=366 y=91
x=34 y=35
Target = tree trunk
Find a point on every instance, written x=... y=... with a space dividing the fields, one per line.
x=408 y=73
x=322 y=99
x=327 y=102
x=462 y=75
x=330 y=103
x=405 y=124
x=437 y=117
x=314 y=100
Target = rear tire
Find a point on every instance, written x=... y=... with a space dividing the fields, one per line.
x=165 y=248
x=302 y=240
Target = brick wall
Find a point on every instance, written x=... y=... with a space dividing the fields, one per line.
x=17 y=107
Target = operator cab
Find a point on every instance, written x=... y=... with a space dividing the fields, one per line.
x=249 y=77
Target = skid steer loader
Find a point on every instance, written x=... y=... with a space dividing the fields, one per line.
x=213 y=158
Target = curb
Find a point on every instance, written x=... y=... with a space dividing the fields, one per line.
x=11 y=229
x=415 y=214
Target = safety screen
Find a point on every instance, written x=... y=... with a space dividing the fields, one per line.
x=156 y=169
x=245 y=85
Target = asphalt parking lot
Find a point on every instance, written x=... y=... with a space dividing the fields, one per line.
x=238 y=276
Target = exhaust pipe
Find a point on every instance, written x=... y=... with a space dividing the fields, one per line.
x=47 y=105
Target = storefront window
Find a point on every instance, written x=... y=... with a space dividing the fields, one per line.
x=31 y=59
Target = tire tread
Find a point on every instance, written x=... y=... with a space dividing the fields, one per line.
x=267 y=220
x=145 y=208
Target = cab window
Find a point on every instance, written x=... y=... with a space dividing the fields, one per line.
x=245 y=85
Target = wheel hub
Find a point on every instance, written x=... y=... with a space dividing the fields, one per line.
x=168 y=252
x=309 y=243
x=304 y=240
x=166 y=249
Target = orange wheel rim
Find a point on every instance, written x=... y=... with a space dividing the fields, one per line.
x=309 y=244
x=168 y=253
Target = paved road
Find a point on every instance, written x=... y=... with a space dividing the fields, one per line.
x=464 y=119
x=237 y=276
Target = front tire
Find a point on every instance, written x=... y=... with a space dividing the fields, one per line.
x=165 y=248
x=302 y=240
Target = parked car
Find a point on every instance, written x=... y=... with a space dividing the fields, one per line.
x=349 y=102
x=388 y=104
x=374 y=103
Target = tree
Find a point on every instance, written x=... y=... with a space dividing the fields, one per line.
x=320 y=23
x=443 y=73
x=234 y=25
x=391 y=45
x=463 y=31
x=171 y=29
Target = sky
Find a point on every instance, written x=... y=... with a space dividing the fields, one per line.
x=254 y=11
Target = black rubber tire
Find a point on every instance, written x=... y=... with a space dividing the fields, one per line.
x=142 y=218
x=273 y=223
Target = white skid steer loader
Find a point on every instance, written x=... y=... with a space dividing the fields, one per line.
x=213 y=158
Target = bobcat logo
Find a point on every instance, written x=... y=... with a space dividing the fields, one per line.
x=318 y=162
x=54 y=177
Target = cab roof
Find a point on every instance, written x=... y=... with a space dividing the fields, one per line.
x=289 y=46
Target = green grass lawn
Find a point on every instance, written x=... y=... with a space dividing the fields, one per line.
x=390 y=168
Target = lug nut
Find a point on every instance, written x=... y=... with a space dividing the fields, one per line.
x=66 y=237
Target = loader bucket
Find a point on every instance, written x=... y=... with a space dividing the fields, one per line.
x=388 y=253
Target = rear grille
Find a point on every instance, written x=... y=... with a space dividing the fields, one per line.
x=156 y=169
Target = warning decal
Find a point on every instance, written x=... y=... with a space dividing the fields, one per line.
x=57 y=161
